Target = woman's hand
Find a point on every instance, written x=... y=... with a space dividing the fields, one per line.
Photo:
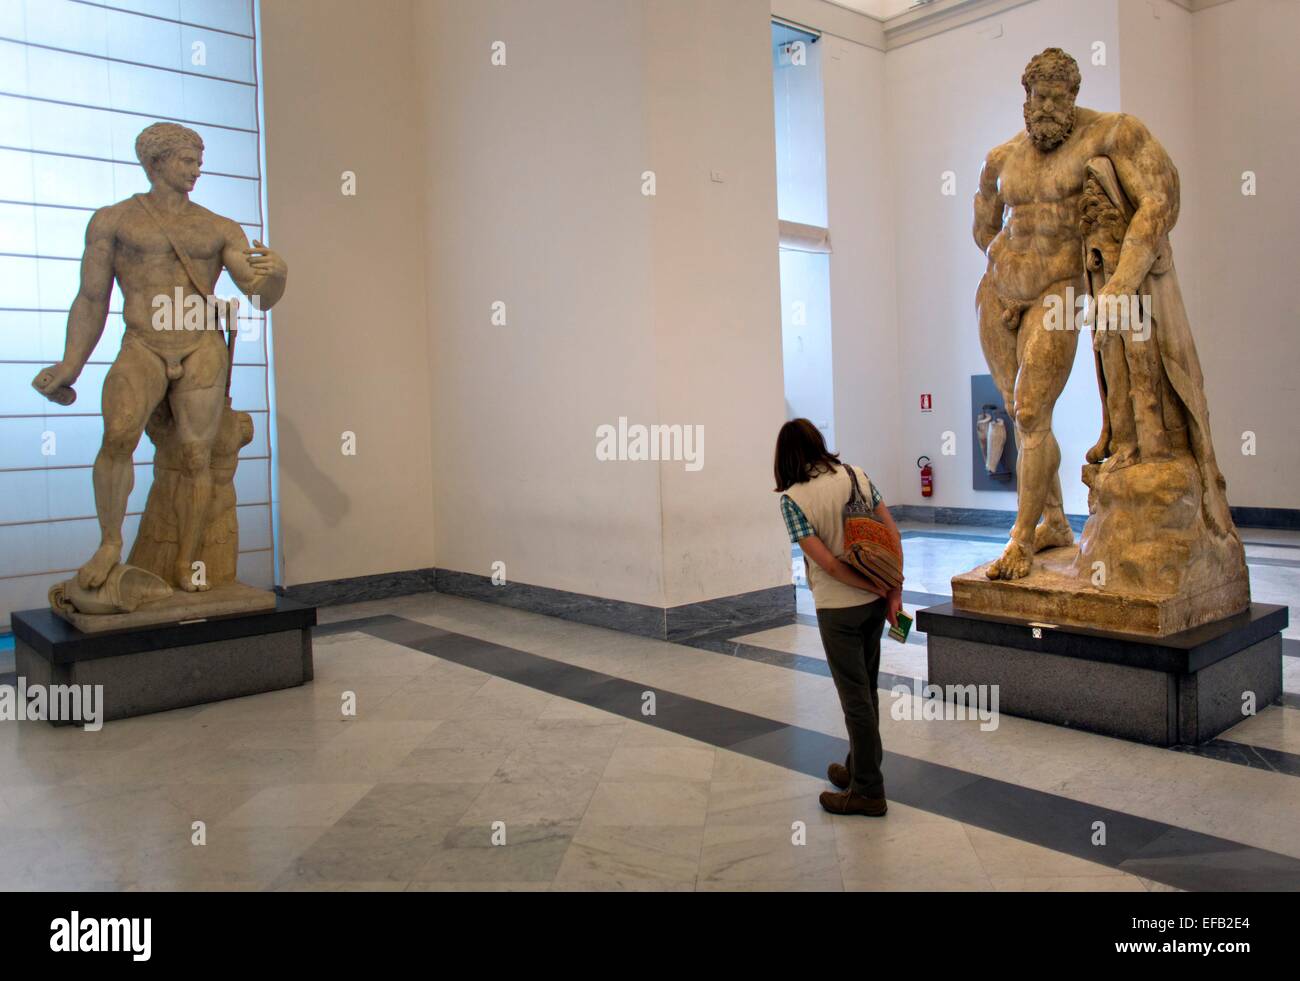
x=895 y=605
x=815 y=549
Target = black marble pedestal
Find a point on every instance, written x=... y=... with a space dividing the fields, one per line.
x=1178 y=690
x=154 y=669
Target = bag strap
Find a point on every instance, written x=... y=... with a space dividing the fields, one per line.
x=186 y=261
x=855 y=496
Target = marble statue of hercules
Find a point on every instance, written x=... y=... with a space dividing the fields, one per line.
x=1027 y=221
x=187 y=367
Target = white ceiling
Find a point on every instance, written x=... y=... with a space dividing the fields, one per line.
x=877 y=8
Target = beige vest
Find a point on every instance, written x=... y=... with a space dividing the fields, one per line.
x=822 y=501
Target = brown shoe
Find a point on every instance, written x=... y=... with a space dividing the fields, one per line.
x=850 y=803
x=838 y=774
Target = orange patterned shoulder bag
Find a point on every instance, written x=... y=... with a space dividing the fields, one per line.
x=870 y=546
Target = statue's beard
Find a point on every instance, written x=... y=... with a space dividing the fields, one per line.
x=1048 y=130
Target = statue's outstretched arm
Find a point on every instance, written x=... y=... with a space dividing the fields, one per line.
x=89 y=311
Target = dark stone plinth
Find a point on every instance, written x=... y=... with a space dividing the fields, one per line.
x=1182 y=689
x=169 y=666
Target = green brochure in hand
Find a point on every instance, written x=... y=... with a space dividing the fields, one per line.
x=904 y=627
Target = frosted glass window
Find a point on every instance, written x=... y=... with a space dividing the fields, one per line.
x=806 y=334
x=800 y=129
x=79 y=79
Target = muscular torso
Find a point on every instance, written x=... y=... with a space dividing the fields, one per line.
x=1039 y=243
x=146 y=266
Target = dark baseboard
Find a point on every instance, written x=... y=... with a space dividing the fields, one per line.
x=671 y=623
x=761 y=606
x=359 y=589
x=597 y=611
x=674 y=623
x=1282 y=518
x=1277 y=518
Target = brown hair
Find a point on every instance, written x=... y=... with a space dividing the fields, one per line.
x=800 y=452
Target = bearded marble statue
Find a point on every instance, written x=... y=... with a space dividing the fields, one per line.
x=1074 y=215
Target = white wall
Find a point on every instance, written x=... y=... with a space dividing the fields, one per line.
x=534 y=200
x=351 y=342
x=1247 y=117
x=716 y=296
x=662 y=309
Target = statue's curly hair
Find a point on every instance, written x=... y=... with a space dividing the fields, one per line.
x=1053 y=65
x=161 y=139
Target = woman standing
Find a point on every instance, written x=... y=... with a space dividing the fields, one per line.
x=814 y=487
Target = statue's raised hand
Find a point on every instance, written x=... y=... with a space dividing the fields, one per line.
x=266 y=261
x=55 y=383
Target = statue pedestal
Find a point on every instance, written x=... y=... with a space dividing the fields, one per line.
x=1055 y=593
x=1180 y=689
x=167 y=666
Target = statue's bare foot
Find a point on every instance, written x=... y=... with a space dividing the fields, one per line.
x=93 y=573
x=1118 y=461
x=1100 y=450
x=1014 y=563
x=1054 y=532
x=185 y=579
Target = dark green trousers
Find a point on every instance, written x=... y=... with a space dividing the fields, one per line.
x=851 y=637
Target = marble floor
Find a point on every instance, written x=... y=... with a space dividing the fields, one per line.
x=493 y=749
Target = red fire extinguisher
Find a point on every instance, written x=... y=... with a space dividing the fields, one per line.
x=927 y=476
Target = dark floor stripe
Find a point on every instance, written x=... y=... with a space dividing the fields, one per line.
x=925 y=599
x=350 y=626
x=909 y=596
x=1161 y=852
x=1244 y=754
x=1225 y=751
x=916 y=637
x=762 y=655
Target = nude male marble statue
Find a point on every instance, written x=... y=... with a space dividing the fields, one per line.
x=1075 y=213
x=1027 y=222
x=161 y=249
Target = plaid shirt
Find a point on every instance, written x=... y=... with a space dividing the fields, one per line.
x=797 y=524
